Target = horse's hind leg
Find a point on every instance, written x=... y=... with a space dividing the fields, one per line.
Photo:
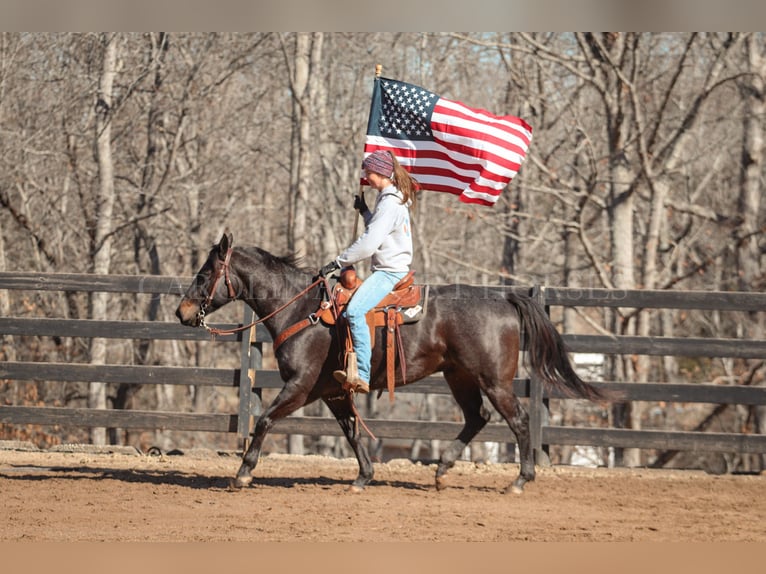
x=507 y=404
x=342 y=410
x=468 y=397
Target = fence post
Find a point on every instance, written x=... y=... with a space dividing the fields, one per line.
x=539 y=414
x=251 y=357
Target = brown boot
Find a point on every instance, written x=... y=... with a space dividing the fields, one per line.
x=351 y=384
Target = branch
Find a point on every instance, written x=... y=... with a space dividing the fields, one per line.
x=580 y=313
x=673 y=82
x=711 y=258
x=453 y=259
x=540 y=51
x=666 y=456
x=711 y=85
x=25 y=224
x=602 y=273
x=697 y=210
x=128 y=223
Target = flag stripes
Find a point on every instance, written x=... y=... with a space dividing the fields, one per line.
x=464 y=151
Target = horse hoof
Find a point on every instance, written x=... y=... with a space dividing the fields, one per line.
x=240 y=482
x=516 y=488
x=441 y=483
x=356 y=489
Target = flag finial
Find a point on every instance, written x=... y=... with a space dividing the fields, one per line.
x=378 y=70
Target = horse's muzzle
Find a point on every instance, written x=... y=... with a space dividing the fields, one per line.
x=189 y=313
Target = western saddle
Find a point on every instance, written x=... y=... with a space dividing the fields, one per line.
x=404 y=304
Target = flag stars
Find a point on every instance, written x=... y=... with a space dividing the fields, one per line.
x=405 y=110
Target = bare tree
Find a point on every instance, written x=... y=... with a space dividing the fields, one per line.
x=634 y=83
x=102 y=233
x=750 y=248
x=303 y=71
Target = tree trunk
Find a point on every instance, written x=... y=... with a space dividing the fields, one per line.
x=749 y=251
x=511 y=244
x=308 y=53
x=104 y=206
x=752 y=168
x=623 y=277
x=7 y=345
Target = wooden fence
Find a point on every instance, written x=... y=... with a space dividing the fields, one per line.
x=250 y=378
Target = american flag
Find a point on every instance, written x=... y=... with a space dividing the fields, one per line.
x=445 y=145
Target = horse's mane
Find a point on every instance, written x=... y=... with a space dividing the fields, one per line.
x=275 y=262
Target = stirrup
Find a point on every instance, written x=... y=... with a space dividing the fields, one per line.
x=340 y=376
x=356 y=386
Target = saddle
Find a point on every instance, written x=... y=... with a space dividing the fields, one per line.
x=403 y=304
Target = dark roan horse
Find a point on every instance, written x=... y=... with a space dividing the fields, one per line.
x=470 y=334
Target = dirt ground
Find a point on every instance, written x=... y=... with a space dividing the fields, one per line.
x=118 y=497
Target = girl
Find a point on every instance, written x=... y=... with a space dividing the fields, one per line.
x=387 y=239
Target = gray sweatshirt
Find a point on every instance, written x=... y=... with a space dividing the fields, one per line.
x=387 y=237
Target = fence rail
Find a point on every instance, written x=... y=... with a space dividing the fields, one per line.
x=250 y=378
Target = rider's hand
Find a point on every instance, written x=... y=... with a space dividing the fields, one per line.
x=360 y=204
x=329 y=268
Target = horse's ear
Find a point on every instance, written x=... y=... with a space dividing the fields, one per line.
x=227 y=240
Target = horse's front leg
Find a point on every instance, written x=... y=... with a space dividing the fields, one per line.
x=341 y=407
x=290 y=398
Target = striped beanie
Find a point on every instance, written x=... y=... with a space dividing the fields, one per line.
x=380 y=162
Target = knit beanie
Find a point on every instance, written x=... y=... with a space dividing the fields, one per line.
x=380 y=162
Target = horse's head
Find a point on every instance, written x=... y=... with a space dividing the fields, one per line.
x=211 y=288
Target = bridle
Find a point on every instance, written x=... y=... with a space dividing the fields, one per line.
x=223 y=272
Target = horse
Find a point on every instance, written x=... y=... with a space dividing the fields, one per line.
x=470 y=334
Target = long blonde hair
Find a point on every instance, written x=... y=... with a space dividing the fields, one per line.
x=405 y=183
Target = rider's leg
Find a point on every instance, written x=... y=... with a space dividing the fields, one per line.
x=369 y=294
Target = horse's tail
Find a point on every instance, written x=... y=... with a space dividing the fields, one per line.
x=547 y=353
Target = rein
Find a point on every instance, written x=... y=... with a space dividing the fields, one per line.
x=214 y=331
x=224 y=272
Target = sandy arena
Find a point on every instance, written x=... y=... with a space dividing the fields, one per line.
x=86 y=496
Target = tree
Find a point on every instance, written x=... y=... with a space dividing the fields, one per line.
x=303 y=73
x=102 y=229
x=750 y=234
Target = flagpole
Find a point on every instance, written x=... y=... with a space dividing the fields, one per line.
x=378 y=71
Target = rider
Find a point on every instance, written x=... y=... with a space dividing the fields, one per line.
x=387 y=239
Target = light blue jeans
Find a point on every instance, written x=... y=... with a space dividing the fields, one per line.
x=369 y=294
